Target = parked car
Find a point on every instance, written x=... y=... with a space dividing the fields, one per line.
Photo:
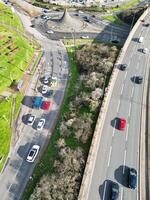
x=33 y=153
x=114 y=191
x=49 y=93
x=46 y=80
x=123 y=67
x=46 y=105
x=132 y=178
x=31 y=119
x=122 y=124
x=41 y=124
x=146 y=24
x=44 y=89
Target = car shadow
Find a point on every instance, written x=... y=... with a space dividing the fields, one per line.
x=25 y=118
x=135 y=39
x=140 y=50
x=28 y=101
x=121 y=175
x=133 y=79
x=115 y=123
x=34 y=126
x=104 y=189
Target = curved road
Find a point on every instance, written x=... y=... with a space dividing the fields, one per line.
x=119 y=150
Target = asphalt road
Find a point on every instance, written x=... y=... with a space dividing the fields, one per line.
x=107 y=31
x=119 y=150
x=18 y=171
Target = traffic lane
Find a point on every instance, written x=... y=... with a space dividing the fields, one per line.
x=102 y=162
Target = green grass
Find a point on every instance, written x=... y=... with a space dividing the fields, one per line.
x=113 y=19
x=9 y=17
x=15 y=54
x=5 y=130
x=124 y=6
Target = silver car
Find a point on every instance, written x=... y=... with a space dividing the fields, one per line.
x=31 y=119
x=41 y=124
x=33 y=153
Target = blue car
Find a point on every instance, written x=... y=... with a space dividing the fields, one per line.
x=114 y=191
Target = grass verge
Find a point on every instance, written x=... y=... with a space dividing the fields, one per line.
x=113 y=19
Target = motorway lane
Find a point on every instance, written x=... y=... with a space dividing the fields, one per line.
x=119 y=148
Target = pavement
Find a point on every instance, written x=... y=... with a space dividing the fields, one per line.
x=54 y=62
x=119 y=150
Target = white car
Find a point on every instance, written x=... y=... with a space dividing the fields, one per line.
x=44 y=89
x=41 y=124
x=145 y=50
x=31 y=119
x=33 y=153
x=84 y=37
x=49 y=31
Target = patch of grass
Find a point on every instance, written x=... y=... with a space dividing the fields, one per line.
x=113 y=19
x=9 y=17
x=18 y=103
x=5 y=130
x=15 y=54
x=124 y=6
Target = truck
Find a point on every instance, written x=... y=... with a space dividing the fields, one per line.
x=37 y=102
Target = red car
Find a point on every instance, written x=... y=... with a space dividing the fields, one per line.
x=46 y=105
x=122 y=124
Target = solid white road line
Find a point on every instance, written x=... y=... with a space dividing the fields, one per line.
x=118 y=106
x=104 y=190
x=121 y=196
x=109 y=155
x=124 y=161
x=127 y=132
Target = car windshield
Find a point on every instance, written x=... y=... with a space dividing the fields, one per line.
x=31 y=153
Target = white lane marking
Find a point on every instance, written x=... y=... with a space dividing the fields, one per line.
x=104 y=190
x=114 y=128
x=125 y=75
x=118 y=106
x=127 y=132
x=129 y=110
x=122 y=89
x=109 y=155
x=132 y=92
x=124 y=161
x=121 y=193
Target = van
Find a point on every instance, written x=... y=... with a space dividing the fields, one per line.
x=141 y=39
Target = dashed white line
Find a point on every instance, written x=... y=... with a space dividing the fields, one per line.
x=122 y=88
x=125 y=75
x=104 y=190
x=121 y=196
x=118 y=107
x=124 y=161
x=129 y=110
x=114 y=128
x=127 y=132
x=132 y=92
x=109 y=155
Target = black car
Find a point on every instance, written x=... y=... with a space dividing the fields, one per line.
x=132 y=178
x=147 y=24
x=114 y=191
x=138 y=79
x=123 y=67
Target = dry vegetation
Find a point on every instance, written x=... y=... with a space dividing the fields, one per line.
x=94 y=63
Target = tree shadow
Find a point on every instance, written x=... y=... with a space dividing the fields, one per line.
x=25 y=118
x=121 y=175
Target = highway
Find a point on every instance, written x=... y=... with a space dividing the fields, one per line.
x=119 y=150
